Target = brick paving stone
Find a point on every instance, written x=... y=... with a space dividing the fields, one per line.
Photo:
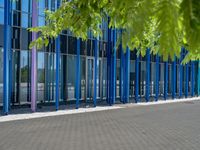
x=158 y=127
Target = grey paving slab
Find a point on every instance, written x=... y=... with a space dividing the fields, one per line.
x=158 y=127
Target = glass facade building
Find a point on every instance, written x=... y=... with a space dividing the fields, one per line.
x=70 y=70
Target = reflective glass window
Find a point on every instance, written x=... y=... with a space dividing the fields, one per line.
x=24 y=20
x=1 y=16
x=41 y=21
x=25 y=5
x=1 y=3
x=41 y=7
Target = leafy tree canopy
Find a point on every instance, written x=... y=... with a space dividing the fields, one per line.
x=162 y=25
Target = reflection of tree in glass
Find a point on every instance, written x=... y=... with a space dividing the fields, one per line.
x=24 y=74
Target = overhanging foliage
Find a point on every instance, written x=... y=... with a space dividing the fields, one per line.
x=162 y=25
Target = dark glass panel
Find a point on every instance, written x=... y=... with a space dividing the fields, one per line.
x=16 y=38
x=71 y=45
x=63 y=43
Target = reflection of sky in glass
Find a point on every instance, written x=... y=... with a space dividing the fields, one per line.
x=1 y=3
x=41 y=7
x=25 y=4
x=24 y=20
x=40 y=60
x=1 y=16
x=41 y=21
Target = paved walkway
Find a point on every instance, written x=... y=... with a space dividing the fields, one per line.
x=174 y=126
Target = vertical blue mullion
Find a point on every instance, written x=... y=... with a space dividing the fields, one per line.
x=157 y=77
x=95 y=70
x=57 y=71
x=108 y=64
x=127 y=74
x=166 y=80
x=192 y=78
x=187 y=80
x=180 y=74
x=148 y=73
x=110 y=75
x=77 y=72
x=121 y=72
x=198 y=82
x=6 y=57
x=124 y=77
x=114 y=66
x=173 y=78
x=136 y=78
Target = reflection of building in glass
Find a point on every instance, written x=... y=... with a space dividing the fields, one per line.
x=102 y=74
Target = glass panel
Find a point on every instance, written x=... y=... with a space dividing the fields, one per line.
x=132 y=78
x=153 y=79
x=83 y=78
x=1 y=3
x=184 y=79
x=169 y=79
x=104 y=81
x=16 y=18
x=189 y=77
x=16 y=38
x=24 y=20
x=41 y=7
x=99 y=78
x=63 y=77
x=71 y=76
x=50 y=72
x=40 y=77
x=142 y=78
x=1 y=16
x=25 y=5
x=15 y=94
x=90 y=69
x=178 y=79
x=118 y=79
x=161 y=82
x=41 y=21
x=25 y=76
x=16 y=4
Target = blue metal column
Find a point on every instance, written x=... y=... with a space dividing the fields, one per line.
x=121 y=73
x=174 y=78
x=127 y=76
x=6 y=57
x=111 y=70
x=57 y=67
x=78 y=47
x=148 y=73
x=192 y=78
x=114 y=66
x=180 y=74
x=108 y=64
x=166 y=80
x=187 y=80
x=96 y=59
x=157 y=77
x=137 y=79
x=124 y=78
x=198 y=82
